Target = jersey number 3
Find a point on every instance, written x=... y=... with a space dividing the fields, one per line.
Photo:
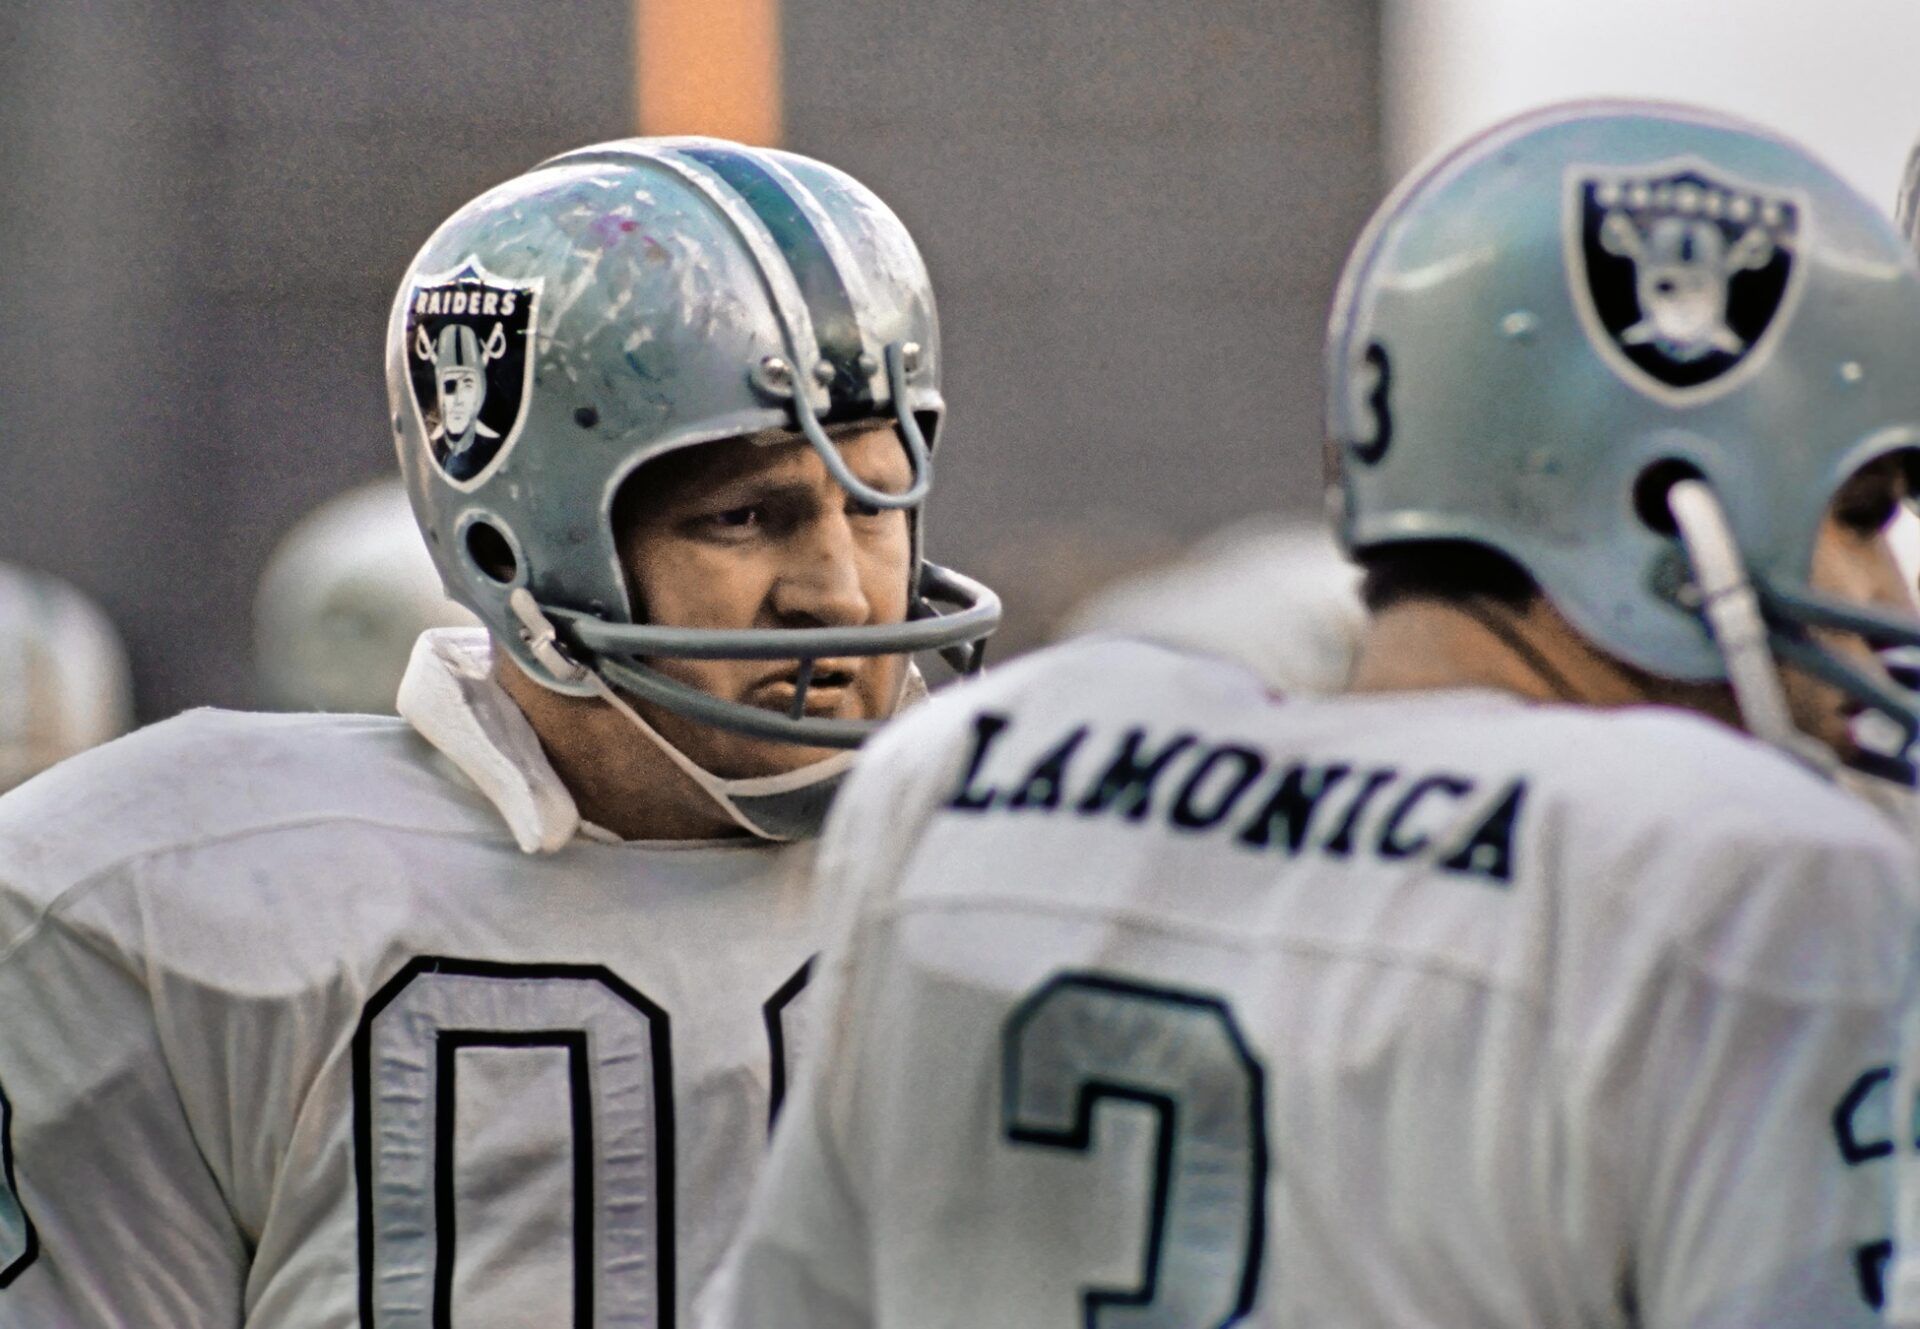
x=1084 y=1040
x=611 y=1048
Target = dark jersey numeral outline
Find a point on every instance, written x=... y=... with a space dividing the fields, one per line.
x=774 y=1014
x=1078 y=1137
x=447 y=1049
x=10 y=1188
x=449 y=1043
x=662 y=1056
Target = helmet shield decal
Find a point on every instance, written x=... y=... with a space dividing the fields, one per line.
x=1682 y=277
x=468 y=334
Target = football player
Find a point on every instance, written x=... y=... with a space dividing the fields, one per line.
x=343 y=599
x=1903 y=1291
x=64 y=680
x=481 y=1017
x=1519 y=986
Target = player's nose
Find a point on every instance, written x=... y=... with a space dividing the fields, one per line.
x=820 y=580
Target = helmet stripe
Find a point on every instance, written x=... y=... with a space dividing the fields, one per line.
x=835 y=326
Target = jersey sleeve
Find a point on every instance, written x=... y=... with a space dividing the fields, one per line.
x=804 y=1258
x=1755 y=1135
x=108 y=1212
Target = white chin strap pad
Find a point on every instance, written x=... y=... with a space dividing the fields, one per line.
x=788 y=806
x=1732 y=611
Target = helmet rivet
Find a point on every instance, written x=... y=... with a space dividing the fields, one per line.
x=774 y=375
x=823 y=373
x=868 y=365
x=1519 y=325
x=910 y=356
x=1852 y=372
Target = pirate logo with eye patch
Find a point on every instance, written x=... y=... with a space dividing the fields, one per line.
x=1683 y=278
x=468 y=341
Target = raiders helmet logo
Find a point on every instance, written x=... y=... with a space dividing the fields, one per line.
x=1682 y=278
x=469 y=337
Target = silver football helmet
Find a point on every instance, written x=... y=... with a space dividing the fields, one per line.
x=64 y=681
x=1636 y=349
x=626 y=300
x=343 y=598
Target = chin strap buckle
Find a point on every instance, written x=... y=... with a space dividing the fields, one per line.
x=538 y=632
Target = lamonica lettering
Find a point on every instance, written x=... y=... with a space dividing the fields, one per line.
x=1332 y=808
x=1042 y=787
x=970 y=797
x=1340 y=843
x=1289 y=810
x=1392 y=842
x=1127 y=783
x=1487 y=850
x=1246 y=766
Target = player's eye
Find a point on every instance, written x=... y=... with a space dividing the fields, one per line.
x=855 y=508
x=738 y=519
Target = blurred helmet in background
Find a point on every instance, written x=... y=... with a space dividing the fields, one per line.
x=64 y=681
x=1906 y=207
x=1275 y=596
x=345 y=594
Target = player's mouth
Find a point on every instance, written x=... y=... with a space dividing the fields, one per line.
x=827 y=690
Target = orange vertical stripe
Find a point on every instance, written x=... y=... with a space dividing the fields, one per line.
x=708 y=67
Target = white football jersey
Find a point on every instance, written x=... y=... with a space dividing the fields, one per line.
x=294 y=1032
x=1166 y=1002
x=1275 y=596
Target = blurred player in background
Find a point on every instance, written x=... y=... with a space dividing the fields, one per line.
x=1275 y=596
x=64 y=683
x=345 y=596
x=1488 y=994
x=481 y=1017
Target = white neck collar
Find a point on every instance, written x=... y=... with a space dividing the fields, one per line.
x=451 y=699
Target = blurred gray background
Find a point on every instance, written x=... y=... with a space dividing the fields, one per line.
x=1134 y=211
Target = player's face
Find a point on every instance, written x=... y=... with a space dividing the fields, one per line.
x=738 y=535
x=1853 y=560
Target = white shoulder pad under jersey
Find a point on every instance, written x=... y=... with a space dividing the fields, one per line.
x=293 y=1034
x=1172 y=1003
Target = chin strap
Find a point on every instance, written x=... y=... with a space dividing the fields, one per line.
x=1732 y=610
x=780 y=807
x=1496 y=625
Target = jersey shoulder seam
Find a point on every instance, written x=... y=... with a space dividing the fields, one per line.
x=74 y=890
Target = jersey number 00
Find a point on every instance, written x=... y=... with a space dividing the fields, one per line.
x=617 y=1053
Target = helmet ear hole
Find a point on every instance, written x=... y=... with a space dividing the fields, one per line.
x=1651 y=489
x=929 y=422
x=490 y=552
